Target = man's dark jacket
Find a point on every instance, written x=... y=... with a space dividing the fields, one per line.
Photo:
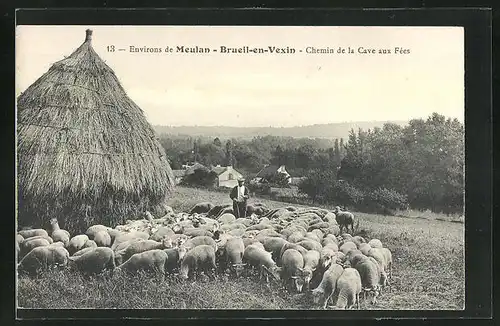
x=239 y=208
x=234 y=194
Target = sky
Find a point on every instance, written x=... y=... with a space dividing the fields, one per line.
x=256 y=90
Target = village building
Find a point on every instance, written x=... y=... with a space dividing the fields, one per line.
x=226 y=176
x=269 y=171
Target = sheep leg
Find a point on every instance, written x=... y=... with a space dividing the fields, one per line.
x=357 y=300
x=325 y=303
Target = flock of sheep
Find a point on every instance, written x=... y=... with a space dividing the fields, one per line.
x=304 y=249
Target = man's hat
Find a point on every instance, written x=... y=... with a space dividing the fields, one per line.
x=241 y=179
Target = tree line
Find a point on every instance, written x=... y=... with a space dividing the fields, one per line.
x=420 y=165
x=299 y=155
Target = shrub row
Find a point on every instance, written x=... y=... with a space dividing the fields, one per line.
x=380 y=200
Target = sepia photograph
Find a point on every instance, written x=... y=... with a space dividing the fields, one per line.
x=240 y=167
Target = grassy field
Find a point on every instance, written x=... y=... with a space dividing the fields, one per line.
x=428 y=273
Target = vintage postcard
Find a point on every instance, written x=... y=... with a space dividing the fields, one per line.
x=240 y=167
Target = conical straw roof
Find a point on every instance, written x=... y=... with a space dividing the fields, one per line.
x=86 y=153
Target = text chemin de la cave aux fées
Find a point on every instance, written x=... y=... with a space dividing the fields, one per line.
x=275 y=50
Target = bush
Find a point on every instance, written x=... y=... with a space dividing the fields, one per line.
x=278 y=180
x=317 y=185
x=200 y=177
x=345 y=194
x=387 y=201
x=259 y=188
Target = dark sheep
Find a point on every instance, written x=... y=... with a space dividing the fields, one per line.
x=201 y=208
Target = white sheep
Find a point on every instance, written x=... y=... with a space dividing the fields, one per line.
x=358 y=240
x=76 y=243
x=365 y=248
x=237 y=232
x=33 y=233
x=58 y=234
x=94 y=229
x=82 y=251
x=161 y=232
x=200 y=258
x=201 y=240
x=311 y=245
x=329 y=238
x=293 y=262
x=347 y=246
x=348 y=288
x=226 y=218
x=311 y=262
x=370 y=273
x=89 y=244
x=328 y=254
x=375 y=243
x=313 y=236
x=295 y=237
x=123 y=237
x=58 y=244
x=46 y=237
x=139 y=246
x=93 y=261
x=330 y=218
x=379 y=257
x=274 y=246
x=388 y=261
x=325 y=290
x=175 y=256
x=102 y=238
x=28 y=245
x=148 y=261
x=233 y=254
x=256 y=256
x=42 y=258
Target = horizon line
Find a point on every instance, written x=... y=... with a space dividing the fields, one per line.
x=296 y=126
x=299 y=126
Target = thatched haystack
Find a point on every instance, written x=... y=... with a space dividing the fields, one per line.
x=86 y=153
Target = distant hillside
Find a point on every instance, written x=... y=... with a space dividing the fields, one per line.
x=329 y=131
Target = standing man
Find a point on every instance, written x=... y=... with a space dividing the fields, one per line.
x=239 y=195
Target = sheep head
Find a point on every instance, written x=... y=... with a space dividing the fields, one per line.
x=274 y=271
x=181 y=251
x=307 y=275
x=167 y=242
x=327 y=260
x=299 y=283
x=238 y=268
x=177 y=228
x=180 y=241
x=149 y=216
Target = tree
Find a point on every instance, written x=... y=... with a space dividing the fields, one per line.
x=200 y=177
x=211 y=154
x=316 y=184
x=229 y=153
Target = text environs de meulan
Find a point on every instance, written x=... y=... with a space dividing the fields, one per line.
x=220 y=49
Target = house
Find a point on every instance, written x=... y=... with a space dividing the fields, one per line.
x=191 y=168
x=226 y=176
x=269 y=171
x=186 y=170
